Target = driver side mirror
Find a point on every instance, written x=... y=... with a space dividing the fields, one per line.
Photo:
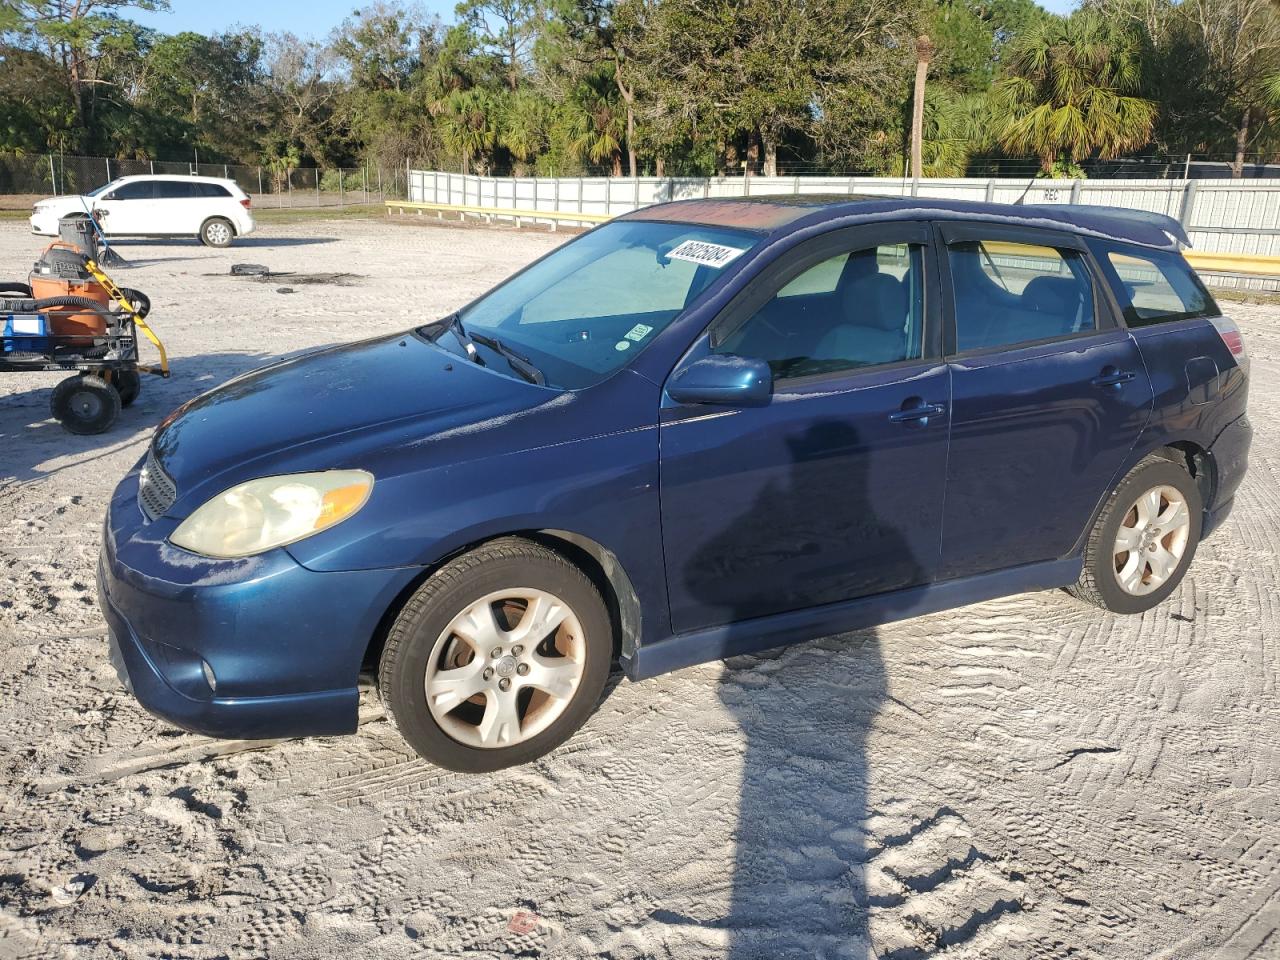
x=723 y=379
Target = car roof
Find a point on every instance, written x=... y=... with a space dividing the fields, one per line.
x=185 y=177
x=789 y=213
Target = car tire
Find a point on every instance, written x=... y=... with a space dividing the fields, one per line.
x=1158 y=511
x=500 y=596
x=128 y=384
x=217 y=232
x=85 y=404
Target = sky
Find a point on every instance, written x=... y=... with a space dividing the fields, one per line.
x=314 y=18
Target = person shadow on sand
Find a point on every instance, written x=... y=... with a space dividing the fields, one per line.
x=798 y=887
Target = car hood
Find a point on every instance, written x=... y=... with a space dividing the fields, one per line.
x=329 y=409
x=66 y=200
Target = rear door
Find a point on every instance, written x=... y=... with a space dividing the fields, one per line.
x=1049 y=394
x=181 y=208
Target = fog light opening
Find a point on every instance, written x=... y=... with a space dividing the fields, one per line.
x=209 y=677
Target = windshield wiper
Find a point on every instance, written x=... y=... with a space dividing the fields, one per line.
x=453 y=323
x=519 y=363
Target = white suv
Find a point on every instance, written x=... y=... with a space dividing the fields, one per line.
x=215 y=211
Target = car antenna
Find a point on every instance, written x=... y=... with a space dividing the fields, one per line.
x=1023 y=199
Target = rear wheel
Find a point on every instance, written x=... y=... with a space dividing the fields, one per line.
x=85 y=404
x=217 y=232
x=498 y=658
x=1144 y=539
x=128 y=384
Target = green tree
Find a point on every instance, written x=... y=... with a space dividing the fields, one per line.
x=1068 y=92
x=386 y=54
x=468 y=126
x=36 y=112
x=204 y=88
x=506 y=30
x=83 y=37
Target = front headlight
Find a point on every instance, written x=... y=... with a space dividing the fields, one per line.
x=260 y=514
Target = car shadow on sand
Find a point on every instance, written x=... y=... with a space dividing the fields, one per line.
x=34 y=446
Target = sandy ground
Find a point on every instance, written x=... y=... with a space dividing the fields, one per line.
x=1024 y=778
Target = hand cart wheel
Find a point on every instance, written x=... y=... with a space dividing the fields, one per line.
x=85 y=404
x=128 y=384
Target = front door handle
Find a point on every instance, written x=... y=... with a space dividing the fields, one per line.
x=1111 y=377
x=917 y=411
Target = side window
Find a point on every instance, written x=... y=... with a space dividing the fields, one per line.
x=1008 y=293
x=134 y=190
x=857 y=309
x=1155 y=286
x=209 y=190
x=175 y=190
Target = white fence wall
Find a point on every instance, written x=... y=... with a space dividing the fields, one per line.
x=1221 y=216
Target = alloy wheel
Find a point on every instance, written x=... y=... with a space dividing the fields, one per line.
x=505 y=668
x=1152 y=540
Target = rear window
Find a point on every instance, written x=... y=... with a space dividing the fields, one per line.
x=1154 y=286
x=174 y=190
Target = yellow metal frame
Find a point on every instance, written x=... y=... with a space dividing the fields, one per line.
x=118 y=295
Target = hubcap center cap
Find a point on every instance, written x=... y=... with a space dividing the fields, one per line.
x=505 y=667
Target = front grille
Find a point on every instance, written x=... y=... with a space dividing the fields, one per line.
x=156 y=491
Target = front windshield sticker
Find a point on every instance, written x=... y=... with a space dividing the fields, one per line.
x=639 y=332
x=622 y=345
x=707 y=254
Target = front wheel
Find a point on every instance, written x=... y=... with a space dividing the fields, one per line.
x=217 y=232
x=85 y=404
x=1144 y=539
x=498 y=658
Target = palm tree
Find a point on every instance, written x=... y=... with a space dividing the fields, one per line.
x=467 y=125
x=924 y=53
x=599 y=128
x=1067 y=91
x=525 y=123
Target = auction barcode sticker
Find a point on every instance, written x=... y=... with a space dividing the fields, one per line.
x=707 y=254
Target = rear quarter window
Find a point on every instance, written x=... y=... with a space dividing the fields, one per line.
x=1154 y=286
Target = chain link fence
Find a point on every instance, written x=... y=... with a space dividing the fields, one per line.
x=32 y=176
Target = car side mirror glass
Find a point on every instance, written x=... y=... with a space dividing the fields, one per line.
x=723 y=379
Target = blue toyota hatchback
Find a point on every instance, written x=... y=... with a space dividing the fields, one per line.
x=705 y=428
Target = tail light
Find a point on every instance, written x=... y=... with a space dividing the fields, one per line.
x=246 y=201
x=1230 y=335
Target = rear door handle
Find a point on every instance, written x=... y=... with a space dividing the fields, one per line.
x=1111 y=377
x=921 y=412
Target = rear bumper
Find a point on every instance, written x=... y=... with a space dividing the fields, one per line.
x=283 y=643
x=1230 y=453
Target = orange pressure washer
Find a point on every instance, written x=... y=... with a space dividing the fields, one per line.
x=72 y=316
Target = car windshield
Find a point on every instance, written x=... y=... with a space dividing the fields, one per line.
x=98 y=191
x=587 y=309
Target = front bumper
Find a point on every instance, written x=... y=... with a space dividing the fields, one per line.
x=284 y=644
x=44 y=225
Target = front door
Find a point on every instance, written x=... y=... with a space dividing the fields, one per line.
x=128 y=209
x=1048 y=397
x=834 y=490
